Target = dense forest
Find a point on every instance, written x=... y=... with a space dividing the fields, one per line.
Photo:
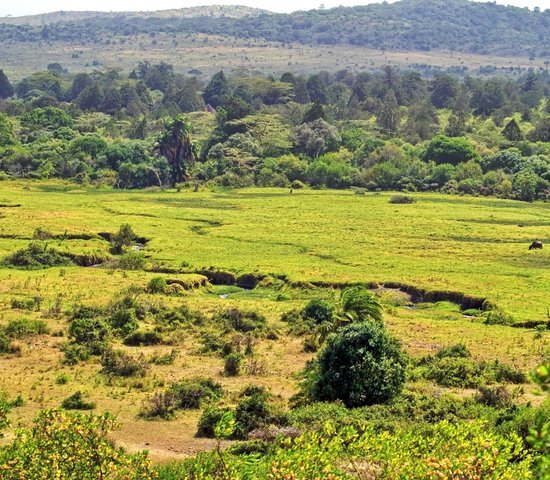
x=388 y=130
x=456 y=25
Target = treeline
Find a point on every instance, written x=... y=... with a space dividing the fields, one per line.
x=457 y=25
x=388 y=130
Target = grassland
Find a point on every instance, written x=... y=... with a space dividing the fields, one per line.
x=478 y=246
x=209 y=54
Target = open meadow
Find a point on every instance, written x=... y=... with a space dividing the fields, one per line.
x=302 y=245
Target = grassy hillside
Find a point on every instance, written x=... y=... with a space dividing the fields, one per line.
x=229 y=11
x=421 y=25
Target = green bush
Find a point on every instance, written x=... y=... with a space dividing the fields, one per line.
x=360 y=365
x=319 y=311
x=208 y=421
x=157 y=285
x=5 y=343
x=137 y=339
x=91 y=333
x=36 y=256
x=76 y=402
x=232 y=364
x=124 y=320
x=454 y=351
x=131 y=261
x=24 y=328
x=402 y=199
x=192 y=393
x=241 y=321
x=121 y=364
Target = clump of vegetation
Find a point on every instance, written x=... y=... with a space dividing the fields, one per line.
x=123 y=239
x=232 y=364
x=402 y=199
x=23 y=327
x=77 y=446
x=454 y=367
x=240 y=321
x=157 y=285
x=36 y=256
x=76 y=402
x=140 y=338
x=360 y=365
x=121 y=364
x=130 y=261
x=188 y=394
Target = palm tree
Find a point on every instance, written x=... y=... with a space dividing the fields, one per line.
x=175 y=144
x=356 y=304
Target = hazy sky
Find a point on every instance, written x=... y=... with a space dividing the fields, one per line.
x=26 y=7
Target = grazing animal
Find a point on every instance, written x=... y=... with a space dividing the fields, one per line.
x=535 y=245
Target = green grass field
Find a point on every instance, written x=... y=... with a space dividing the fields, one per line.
x=477 y=246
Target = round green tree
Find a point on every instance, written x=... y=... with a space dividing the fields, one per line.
x=360 y=365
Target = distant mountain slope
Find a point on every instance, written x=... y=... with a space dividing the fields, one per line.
x=215 y=11
x=422 y=25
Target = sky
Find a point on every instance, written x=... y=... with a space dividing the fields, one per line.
x=29 y=7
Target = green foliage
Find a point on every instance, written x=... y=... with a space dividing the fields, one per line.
x=131 y=261
x=121 y=364
x=76 y=402
x=402 y=199
x=157 y=285
x=7 y=136
x=360 y=365
x=124 y=238
x=359 y=304
x=68 y=445
x=232 y=364
x=443 y=149
x=36 y=256
x=319 y=311
x=23 y=327
x=241 y=321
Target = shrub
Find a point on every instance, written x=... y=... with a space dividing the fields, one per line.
x=157 y=285
x=242 y=321
x=76 y=446
x=36 y=256
x=208 y=421
x=124 y=320
x=77 y=402
x=297 y=185
x=159 y=405
x=5 y=343
x=119 y=363
x=232 y=365
x=360 y=365
x=456 y=372
x=137 y=339
x=319 y=310
x=24 y=328
x=91 y=333
x=402 y=199
x=498 y=397
x=131 y=261
x=62 y=378
x=497 y=316
x=192 y=393
x=454 y=351
x=122 y=239
x=75 y=353
x=253 y=411
x=23 y=304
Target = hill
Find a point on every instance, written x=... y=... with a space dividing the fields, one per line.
x=214 y=11
x=412 y=25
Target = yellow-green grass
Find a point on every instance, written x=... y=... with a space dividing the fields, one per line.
x=478 y=246
x=209 y=54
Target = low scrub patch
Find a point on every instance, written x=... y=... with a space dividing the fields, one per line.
x=36 y=256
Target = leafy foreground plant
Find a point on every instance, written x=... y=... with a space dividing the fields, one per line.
x=462 y=451
x=68 y=446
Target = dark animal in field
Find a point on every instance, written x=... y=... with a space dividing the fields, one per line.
x=535 y=245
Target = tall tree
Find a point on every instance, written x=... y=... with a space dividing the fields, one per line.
x=217 y=88
x=6 y=88
x=389 y=115
x=512 y=132
x=175 y=144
